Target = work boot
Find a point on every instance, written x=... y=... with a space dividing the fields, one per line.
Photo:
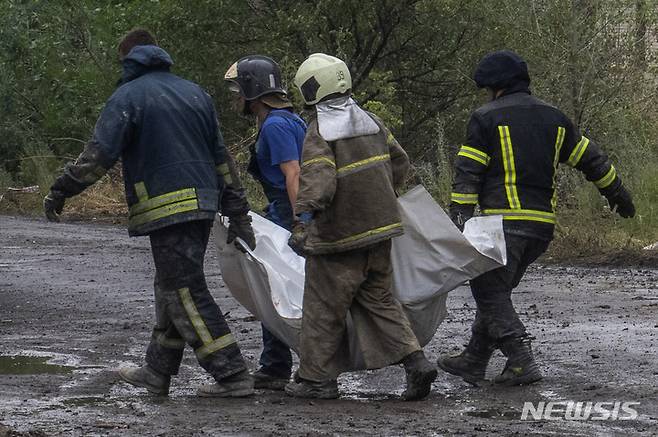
x=235 y=386
x=420 y=376
x=303 y=388
x=263 y=380
x=155 y=382
x=521 y=367
x=471 y=364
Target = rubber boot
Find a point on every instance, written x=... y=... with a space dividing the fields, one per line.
x=263 y=380
x=235 y=386
x=155 y=382
x=471 y=364
x=303 y=388
x=420 y=376
x=521 y=367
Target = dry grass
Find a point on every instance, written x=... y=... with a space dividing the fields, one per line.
x=102 y=201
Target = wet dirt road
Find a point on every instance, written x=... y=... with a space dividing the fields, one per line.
x=76 y=303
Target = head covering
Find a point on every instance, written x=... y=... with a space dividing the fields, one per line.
x=501 y=69
x=276 y=101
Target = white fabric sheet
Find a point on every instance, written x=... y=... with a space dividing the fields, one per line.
x=429 y=260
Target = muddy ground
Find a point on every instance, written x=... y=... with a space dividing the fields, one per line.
x=76 y=303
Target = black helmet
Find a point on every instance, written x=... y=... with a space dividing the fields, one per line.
x=500 y=70
x=255 y=76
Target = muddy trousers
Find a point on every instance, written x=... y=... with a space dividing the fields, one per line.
x=357 y=282
x=495 y=317
x=186 y=313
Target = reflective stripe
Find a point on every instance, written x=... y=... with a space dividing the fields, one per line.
x=578 y=151
x=194 y=316
x=607 y=179
x=169 y=343
x=209 y=345
x=523 y=214
x=320 y=159
x=368 y=233
x=464 y=198
x=215 y=345
x=510 y=167
x=140 y=190
x=556 y=161
x=164 y=211
x=364 y=162
x=225 y=172
x=164 y=199
x=474 y=154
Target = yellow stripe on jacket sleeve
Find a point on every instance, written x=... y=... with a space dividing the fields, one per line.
x=608 y=179
x=474 y=154
x=464 y=198
x=320 y=160
x=578 y=152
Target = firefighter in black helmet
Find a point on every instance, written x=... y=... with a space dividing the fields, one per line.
x=508 y=167
x=255 y=82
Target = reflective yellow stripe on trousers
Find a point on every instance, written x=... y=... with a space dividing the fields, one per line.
x=210 y=345
x=510 y=167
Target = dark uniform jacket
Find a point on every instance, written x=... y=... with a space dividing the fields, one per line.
x=165 y=130
x=509 y=162
x=349 y=185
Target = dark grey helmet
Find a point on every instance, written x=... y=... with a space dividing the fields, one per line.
x=255 y=76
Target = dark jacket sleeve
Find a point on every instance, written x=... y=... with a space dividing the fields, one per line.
x=112 y=134
x=232 y=196
x=583 y=154
x=471 y=164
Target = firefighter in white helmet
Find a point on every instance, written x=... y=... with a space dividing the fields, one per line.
x=346 y=216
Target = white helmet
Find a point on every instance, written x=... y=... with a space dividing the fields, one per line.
x=321 y=75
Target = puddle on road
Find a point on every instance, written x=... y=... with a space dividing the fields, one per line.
x=26 y=365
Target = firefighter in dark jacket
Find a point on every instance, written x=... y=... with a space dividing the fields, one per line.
x=177 y=176
x=255 y=82
x=508 y=167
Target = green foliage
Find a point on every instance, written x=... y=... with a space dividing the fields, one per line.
x=37 y=167
x=6 y=180
x=411 y=62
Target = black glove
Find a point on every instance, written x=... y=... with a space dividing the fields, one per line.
x=53 y=204
x=459 y=214
x=623 y=201
x=240 y=226
x=298 y=237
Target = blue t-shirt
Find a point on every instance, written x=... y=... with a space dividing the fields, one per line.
x=280 y=139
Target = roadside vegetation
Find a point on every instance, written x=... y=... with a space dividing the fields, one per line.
x=411 y=62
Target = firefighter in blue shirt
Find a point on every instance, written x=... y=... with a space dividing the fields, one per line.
x=177 y=176
x=256 y=84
